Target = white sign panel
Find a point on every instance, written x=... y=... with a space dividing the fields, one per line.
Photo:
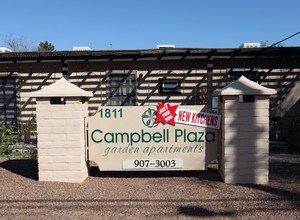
x=196 y=118
x=169 y=163
x=149 y=138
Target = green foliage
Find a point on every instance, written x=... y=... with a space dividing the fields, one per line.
x=9 y=135
x=33 y=154
x=29 y=153
x=29 y=129
x=45 y=47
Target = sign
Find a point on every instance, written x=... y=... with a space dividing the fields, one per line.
x=166 y=114
x=152 y=163
x=196 y=118
x=131 y=138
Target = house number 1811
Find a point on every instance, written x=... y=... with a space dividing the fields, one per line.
x=111 y=113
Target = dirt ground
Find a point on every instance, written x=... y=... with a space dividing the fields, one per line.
x=150 y=195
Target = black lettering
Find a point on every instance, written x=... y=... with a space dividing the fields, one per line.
x=210 y=136
x=200 y=136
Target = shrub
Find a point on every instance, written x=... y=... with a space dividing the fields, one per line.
x=9 y=135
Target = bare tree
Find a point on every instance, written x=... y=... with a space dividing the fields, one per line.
x=18 y=44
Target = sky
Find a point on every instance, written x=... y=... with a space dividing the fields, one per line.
x=141 y=24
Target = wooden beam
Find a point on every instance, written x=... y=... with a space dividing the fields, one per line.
x=39 y=67
x=261 y=63
x=45 y=67
x=210 y=68
x=184 y=64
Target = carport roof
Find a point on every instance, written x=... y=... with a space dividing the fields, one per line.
x=151 y=59
x=215 y=52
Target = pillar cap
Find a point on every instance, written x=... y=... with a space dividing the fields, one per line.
x=244 y=86
x=61 y=88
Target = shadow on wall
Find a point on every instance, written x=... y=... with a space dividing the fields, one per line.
x=245 y=139
x=291 y=125
x=286 y=104
x=285 y=82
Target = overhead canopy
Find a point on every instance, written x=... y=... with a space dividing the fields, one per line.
x=151 y=59
x=200 y=53
x=61 y=88
x=244 y=86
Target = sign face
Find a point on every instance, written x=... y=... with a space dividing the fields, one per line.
x=196 y=118
x=152 y=163
x=151 y=138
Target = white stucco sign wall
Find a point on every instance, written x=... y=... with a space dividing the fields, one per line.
x=150 y=138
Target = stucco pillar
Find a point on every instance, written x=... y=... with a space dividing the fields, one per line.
x=244 y=150
x=61 y=113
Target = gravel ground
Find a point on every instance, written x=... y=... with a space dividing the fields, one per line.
x=150 y=195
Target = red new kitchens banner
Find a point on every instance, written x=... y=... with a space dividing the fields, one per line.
x=202 y=119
